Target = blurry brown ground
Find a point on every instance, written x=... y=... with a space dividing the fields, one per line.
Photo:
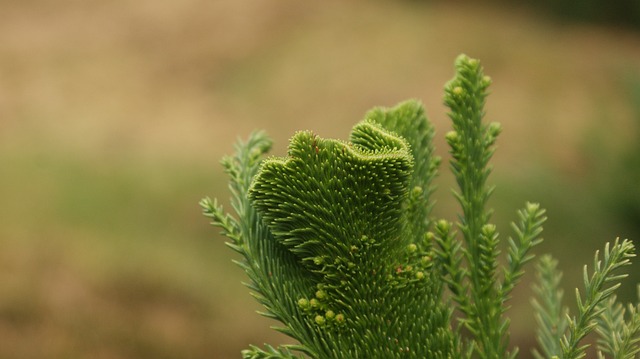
x=114 y=114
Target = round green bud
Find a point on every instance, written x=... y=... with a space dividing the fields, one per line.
x=533 y=207
x=425 y=260
x=340 y=318
x=412 y=248
x=489 y=229
x=303 y=303
x=457 y=91
x=419 y=275
x=319 y=320
x=486 y=81
x=321 y=294
x=443 y=226
x=452 y=137
x=313 y=303
x=329 y=314
x=417 y=191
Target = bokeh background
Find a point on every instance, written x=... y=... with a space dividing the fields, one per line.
x=114 y=115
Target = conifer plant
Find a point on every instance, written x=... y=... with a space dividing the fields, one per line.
x=339 y=246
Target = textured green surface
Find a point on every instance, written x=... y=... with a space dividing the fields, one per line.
x=343 y=209
x=339 y=247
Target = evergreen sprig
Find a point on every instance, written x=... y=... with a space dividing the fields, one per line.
x=478 y=290
x=598 y=287
x=561 y=335
x=550 y=315
x=339 y=247
x=619 y=330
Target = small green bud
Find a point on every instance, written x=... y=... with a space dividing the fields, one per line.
x=443 y=226
x=417 y=191
x=419 y=275
x=329 y=314
x=452 y=138
x=321 y=294
x=425 y=260
x=408 y=268
x=313 y=303
x=340 y=318
x=318 y=260
x=486 y=81
x=489 y=229
x=494 y=129
x=533 y=207
x=319 y=320
x=303 y=303
x=429 y=236
x=458 y=91
x=412 y=248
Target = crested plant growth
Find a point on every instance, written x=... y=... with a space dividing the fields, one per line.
x=340 y=247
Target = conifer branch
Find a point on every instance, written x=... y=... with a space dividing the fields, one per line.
x=408 y=120
x=527 y=231
x=450 y=256
x=338 y=244
x=619 y=330
x=250 y=237
x=598 y=287
x=270 y=353
x=471 y=143
x=550 y=315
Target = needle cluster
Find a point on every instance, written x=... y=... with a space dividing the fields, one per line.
x=340 y=247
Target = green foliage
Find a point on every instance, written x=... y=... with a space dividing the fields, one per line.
x=478 y=290
x=551 y=316
x=619 y=336
x=339 y=246
x=356 y=270
x=597 y=291
x=560 y=335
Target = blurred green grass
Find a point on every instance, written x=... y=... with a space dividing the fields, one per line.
x=113 y=116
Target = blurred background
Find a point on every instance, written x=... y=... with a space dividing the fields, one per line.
x=114 y=115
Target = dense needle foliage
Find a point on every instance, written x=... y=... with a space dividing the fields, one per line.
x=339 y=245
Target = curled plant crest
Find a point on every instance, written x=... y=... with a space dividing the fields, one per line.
x=340 y=248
